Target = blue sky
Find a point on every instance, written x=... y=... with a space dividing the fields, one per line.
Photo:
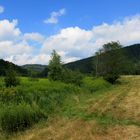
x=82 y=13
x=65 y=19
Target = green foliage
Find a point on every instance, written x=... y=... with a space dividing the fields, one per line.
x=4 y=66
x=137 y=68
x=1 y=82
x=17 y=117
x=96 y=84
x=48 y=95
x=111 y=77
x=33 y=79
x=88 y=65
x=72 y=77
x=33 y=74
x=24 y=105
x=59 y=73
x=11 y=79
x=84 y=65
x=34 y=67
x=10 y=95
x=110 y=61
x=55 y=67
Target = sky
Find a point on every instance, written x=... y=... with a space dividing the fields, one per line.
x=76 y=29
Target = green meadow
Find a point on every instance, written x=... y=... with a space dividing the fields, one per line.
x=37 y=99
x=38 y=104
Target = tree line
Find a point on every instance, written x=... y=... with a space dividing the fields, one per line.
x=110 y=63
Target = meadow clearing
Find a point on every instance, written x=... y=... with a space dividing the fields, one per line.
x=48 y=110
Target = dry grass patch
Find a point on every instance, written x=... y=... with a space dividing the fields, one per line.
x=81 y=130
x=123 y=102
x=131 y=103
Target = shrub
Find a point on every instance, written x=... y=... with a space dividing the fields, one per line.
x=111 y=78
x=11 y=79
x=10 y=95
x=18 y=117
x=96 y=84
x=72 y=77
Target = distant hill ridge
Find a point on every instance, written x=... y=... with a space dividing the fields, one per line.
x=34 y=67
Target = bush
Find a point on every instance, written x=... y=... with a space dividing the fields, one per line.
x=96 y=84
x=72 y=77
x=111 y=78
x=18 y=117
x=10 y=95
x=11 y=79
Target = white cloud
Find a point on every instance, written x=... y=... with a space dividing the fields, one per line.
x=1 y=9
x=29 y=59
x=54 y=16
x=8 y=48
x=34 y=37
x=11 y=40
x=71 y=43
x=80 y=43
x=8 y=30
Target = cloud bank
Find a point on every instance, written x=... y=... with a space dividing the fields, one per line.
x=71 y=43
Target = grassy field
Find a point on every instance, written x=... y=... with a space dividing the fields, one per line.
x=94 y=111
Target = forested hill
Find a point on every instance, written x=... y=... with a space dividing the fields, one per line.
x=5 y=65
x=34 y=67
x=132 y=54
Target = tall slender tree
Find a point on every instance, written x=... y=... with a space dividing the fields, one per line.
x=55 y=67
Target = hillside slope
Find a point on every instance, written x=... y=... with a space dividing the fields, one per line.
x=34 y=67
x=4 y=66
x=111 y=115
x=86 y=65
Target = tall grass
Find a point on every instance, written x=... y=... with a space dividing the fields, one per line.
x=18 y=117
x=33 y=100
x=95 y=84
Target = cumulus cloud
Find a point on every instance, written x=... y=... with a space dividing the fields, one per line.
x=1 y=9
x=8 y=48
x=54 y=16
x=80 y=43
x=9 y=30
x=75 y=42
x=11 y=40
x=71 y=43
